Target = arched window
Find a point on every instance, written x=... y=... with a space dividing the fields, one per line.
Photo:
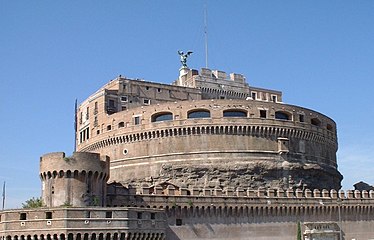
x=235 y=113
x=282 y=115
x=163 y=116
x=199 y=113
x=315 y=122
x=329 y=127
x=109 y=127
x=121 y=125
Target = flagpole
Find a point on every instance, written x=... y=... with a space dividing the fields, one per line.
x=3 y=195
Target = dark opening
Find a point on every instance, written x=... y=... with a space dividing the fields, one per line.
x=315 y=122
x=262 y=113
x=48 y=215
x=199 y=114
x=140 y=215
x=153 y=215
x=234 y=113
x=282 y=116
x=108 y=214
x=301 y=118
x=121 y=125
x=162 y=117
x=22 y=216
x=178 y=222
x=136 y=120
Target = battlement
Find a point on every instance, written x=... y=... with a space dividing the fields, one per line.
x=260 y=193
x=54 y=164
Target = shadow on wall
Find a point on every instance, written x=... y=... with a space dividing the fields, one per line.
x=171 y=234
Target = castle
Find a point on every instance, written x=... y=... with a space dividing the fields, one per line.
x=207 y=157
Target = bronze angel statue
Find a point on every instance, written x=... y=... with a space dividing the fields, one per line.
x=184 y=57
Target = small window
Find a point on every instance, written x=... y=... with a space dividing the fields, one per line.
x=108 y=214
x=158 y=117
x=87 y=113
x=282 y=116
x=124 y=108
x=315 y=122
x=137 y=120
x=222 y=97
x=159 y=90
x=178 y=222
x=234 y=113
x=147 y=101
x=22 y=216
x=87 y=214
x=147 y=88
x=153 y=215
x=121 y=125
x=301 y=118
x=254 y=95
x=109 y=127
x=124 y=99
x=124 y=86
x=48 y=215
x=329 y=127
x=97 y=132
x=140 y=215
x=262 y=113
x=274 y=98
x=199 y=114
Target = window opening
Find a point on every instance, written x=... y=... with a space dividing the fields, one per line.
x=22 y=216
x=234 y=113
x=147 y=101
x=162 y=117
x=108 y=214
x=301 y=118
x=262 y=113
x=282 y=116
x=48 y=215
x=199 y=114
x=140 y=215
x=178 y=222
x=137 y=120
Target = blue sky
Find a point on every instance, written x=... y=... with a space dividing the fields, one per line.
x=320 y=54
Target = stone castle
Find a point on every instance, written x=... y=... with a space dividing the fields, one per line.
x=207 y=157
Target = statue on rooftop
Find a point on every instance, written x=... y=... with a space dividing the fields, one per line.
x=184 y=57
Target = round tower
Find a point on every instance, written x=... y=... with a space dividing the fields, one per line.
x=78 y=180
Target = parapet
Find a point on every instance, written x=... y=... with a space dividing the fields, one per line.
x=258 y=193
x=79 y=161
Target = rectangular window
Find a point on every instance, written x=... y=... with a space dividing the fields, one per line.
x=140 y=215
x=301 y=118
x=87 y=214
x=137 y=120
x=108 y=214
x=147 y=101
x=22 y=216
x=159 y=90
x=178 y=222
x=124 y=99
x=96 y=110
x=262 y=113
x=274 y=98
x=87 y=113
x=153 y=215
x=254 y=95
x=48 y=215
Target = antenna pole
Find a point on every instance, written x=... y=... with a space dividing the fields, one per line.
x=206 y=34
x=3 y=195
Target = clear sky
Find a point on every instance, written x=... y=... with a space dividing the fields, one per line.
x=320 y=54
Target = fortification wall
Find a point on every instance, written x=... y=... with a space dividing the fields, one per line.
x=78 y=180
x=255 y=214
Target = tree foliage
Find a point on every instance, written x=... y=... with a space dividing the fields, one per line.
x=33 y=203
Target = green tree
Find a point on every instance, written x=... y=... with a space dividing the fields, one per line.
x=33 y=203
x=299 y=231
